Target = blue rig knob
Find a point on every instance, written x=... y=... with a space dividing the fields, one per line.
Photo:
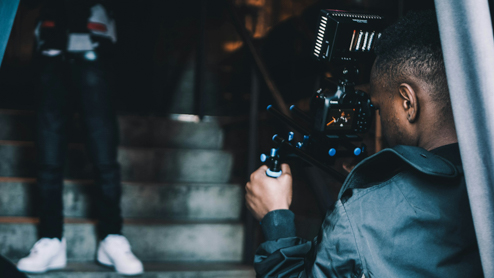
x=290 y=135
x=332 y=152
x=357 y=151
x=263 y=158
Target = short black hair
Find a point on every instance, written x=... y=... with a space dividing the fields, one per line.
x=412 y=46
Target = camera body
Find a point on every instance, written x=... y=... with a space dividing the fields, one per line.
x=345 y=40
x=338 y=112
x=350 y=113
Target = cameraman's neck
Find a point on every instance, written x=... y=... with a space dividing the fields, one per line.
x=438 y=138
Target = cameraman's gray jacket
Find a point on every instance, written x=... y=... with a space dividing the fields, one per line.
x=403 y=212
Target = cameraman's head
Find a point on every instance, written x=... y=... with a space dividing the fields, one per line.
x=408 y=84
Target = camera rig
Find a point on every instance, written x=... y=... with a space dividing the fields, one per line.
x=339 y=112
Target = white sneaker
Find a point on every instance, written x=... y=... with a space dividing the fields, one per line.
x=114 y=251
x=46 y=254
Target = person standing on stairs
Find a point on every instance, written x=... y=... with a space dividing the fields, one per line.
x=75 y=40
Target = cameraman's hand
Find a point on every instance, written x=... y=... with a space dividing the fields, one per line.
x=265 y=194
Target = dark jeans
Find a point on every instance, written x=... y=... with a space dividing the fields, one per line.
x=66 y=83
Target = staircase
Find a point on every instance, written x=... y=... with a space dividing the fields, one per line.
x=180 y=205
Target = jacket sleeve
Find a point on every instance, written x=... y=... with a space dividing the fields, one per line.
x=333 y=253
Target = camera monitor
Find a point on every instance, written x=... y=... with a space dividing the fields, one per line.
x=340 y=119
x=346 y=36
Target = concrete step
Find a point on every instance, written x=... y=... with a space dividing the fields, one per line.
x=155 y=270
x=137 y=164
x=173 y=131
x=176 y=131
x=170 y=201
x=150 y=241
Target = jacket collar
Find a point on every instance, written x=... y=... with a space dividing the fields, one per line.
x=388 y=162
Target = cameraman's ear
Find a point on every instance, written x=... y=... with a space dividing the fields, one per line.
x=409 y=102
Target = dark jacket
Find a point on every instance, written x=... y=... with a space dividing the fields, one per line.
x=403 y=212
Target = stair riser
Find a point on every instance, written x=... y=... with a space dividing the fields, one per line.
x=167 y=243
x=158 y=132
x=166 y=201
x=134 y=131
x=17 y=127
x=153 y=165
x=171 y=274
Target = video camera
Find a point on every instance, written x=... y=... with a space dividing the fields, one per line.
x=338 y=113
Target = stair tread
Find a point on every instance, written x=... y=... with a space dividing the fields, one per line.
x=82 y=146
x=127 y=221
x=17 y=112
x=186 y=201
x=155 y=270
x=177 y=242
x=170 y=117
x=158 y=266
x=174 y=130
x=91 y=182
x=137 y=164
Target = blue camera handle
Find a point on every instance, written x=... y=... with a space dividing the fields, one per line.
x=273 y=174
x=272 y=161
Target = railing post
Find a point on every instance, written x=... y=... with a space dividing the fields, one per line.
x=200 y=66
x=253 y=161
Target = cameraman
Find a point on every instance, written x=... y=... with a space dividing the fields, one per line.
x=403 y=212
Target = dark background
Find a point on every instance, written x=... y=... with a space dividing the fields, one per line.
x=157 y=45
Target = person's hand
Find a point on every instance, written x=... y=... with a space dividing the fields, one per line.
x=265 y=194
